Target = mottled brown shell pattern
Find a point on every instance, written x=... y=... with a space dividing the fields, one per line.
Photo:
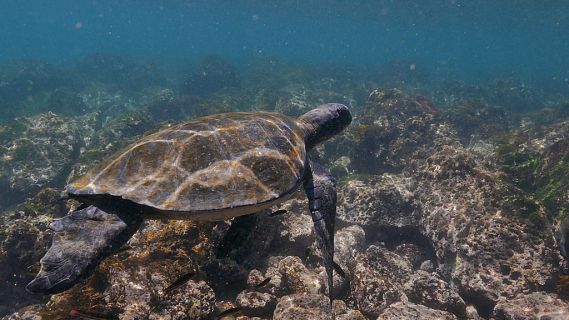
x=211 y=163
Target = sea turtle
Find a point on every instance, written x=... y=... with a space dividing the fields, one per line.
x=211 y=168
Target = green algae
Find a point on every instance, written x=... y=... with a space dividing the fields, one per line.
x=552 y=188
x=520 y=203
x=540 y=182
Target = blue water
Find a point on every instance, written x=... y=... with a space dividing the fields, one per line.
x=460 y=39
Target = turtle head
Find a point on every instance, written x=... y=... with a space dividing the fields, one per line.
x=324 y=122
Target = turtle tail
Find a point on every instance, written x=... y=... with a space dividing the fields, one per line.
x=81 y=241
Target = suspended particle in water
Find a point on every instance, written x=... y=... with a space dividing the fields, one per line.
x=78 y=25
x=412 y=67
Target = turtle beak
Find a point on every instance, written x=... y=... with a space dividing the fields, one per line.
x=39 y=284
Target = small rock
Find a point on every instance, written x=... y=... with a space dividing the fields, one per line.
x=472 y=313
x=256 y=303
x=430 y=290
x=377 y=279
x=407 y=310
x=351 y=315
x=411 y=252
x=303 y=306
x=254 y=278
x=427 y=266
x=348 y=242
x=298 y=278
x=537 y=305
x=343 y=313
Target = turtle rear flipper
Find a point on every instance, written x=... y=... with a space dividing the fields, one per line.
x=81 y=240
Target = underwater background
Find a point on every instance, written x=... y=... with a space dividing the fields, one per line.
x=453 y=197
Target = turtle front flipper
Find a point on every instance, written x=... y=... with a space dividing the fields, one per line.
x=320 y=188
x=81 y=240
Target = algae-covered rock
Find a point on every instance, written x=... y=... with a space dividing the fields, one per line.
x=348 y=243
x=36 y=152
x=412 y=252
x=253 y=239
x=537 y=161
x=165 y=105
x=514 y=94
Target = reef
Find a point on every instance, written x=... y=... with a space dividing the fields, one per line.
x=25 y=84
x=450 y=208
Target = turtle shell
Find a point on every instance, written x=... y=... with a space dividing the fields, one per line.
x=211 y=163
